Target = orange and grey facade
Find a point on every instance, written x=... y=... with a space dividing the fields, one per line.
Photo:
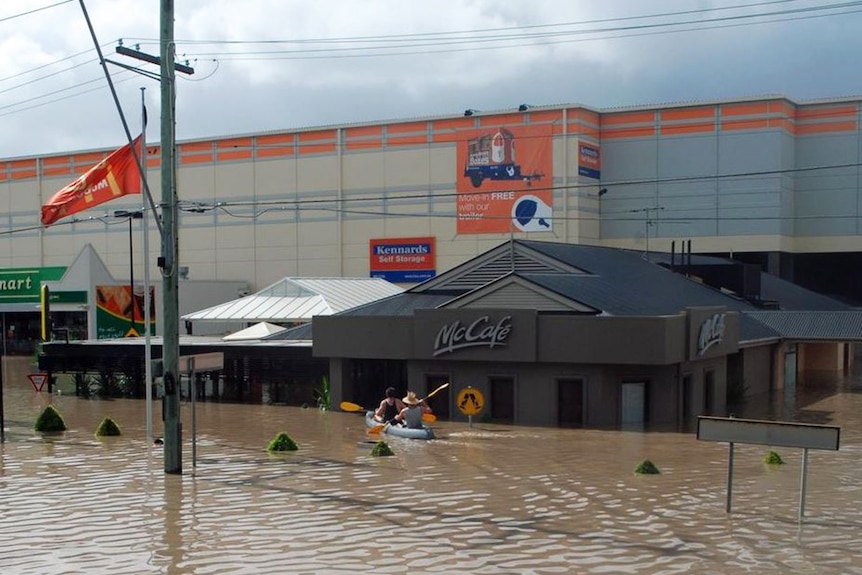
x=769 y=180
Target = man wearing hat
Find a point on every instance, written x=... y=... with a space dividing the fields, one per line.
x=411 y=415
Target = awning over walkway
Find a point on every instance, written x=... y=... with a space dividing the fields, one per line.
x=297 y=300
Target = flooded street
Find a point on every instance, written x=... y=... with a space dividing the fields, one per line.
x=486 y=499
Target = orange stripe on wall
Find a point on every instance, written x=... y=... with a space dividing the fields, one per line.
x=645 y=131
x=546 y=116
x=753 y=124
x=57 y=161
x=376 y=143
x=452 y=124
x=196 y=153
x=407 y=140
x=22 y=169
x=502 y=120
x=57 y=166
x=201 y=159
x=783 y=107
x=154 y=156
x=819 y=113
x=363 y=131
x=694 y=128
x=823 y=127
x=317 y=142
x=406 y=128
x=275 y=146
x=319 y=136
x=616 y=119
x=582 y=115
x=317 y=148
x=275 y=140
x=275 y=152
x=688 y=114
x=753 y=109
x=783 y=123
x=580 y=130
x=234 y=149
x=234 y=143
x=233 y=155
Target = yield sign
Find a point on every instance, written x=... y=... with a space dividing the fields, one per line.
x=38 y=380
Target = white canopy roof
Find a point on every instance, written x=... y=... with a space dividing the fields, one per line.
x=297 y=300
x=256 y=331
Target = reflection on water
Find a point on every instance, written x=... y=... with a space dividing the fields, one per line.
x=486 y=499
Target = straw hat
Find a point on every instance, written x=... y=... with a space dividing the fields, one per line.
x=411 y=399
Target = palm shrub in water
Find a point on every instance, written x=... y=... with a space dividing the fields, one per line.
x=108 y=428
x=772 y=458
x=50 y=420
x=282 y=442
x=322 y=394
x=382 y=449
x=647 y=467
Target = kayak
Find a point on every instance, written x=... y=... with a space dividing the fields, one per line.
x=398 y=431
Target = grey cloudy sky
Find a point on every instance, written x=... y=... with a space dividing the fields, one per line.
x=282 y=64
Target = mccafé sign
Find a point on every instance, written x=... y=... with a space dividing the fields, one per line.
x=483 y=332
x=711 y=332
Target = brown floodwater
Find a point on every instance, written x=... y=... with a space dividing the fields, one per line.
x=480 y=499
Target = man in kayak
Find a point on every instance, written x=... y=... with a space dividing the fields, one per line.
x=389 y=408
x=411 y=415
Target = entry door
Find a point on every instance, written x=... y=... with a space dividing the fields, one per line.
x=570 y=402
x=440 y=402
x=790 y=368
x=686 y=418
x=633 y=404
x=502 y=399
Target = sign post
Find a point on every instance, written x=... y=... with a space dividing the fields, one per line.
x=470 y=402
x=38 y=380
x=775 y=433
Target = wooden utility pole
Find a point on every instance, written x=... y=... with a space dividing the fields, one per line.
x=168 y=262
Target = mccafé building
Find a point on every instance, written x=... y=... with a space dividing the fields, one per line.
x=571 y=336
x=537 y=369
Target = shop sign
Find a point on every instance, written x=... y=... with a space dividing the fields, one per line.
x=589 y=161
x=482 y=332
x=711 y=332
x=23 y=284
x=402 y=260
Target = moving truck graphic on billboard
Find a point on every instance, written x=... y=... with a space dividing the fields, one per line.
x=497 y=189
x=492 y=157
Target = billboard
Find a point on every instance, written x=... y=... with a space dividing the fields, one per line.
x=589 y=161
x=499 y=190
x=402 y=260
x=118 y=314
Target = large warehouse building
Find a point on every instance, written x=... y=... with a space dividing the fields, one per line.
x=766 y=180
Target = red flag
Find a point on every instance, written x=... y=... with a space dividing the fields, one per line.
x=115 y=176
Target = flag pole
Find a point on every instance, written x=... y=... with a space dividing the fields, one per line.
x=145 y=227
x=141 y=168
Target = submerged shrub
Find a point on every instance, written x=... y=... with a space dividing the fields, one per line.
x=647 y=467
x=108 y=427
x=772 y=458
x=382 y=449
x=282 y=442
x=50 y=420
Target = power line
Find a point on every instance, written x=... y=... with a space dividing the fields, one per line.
x=479 y=36
x=19 y=15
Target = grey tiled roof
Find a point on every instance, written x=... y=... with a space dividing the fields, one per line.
x=622 y=282
x=813 y=325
